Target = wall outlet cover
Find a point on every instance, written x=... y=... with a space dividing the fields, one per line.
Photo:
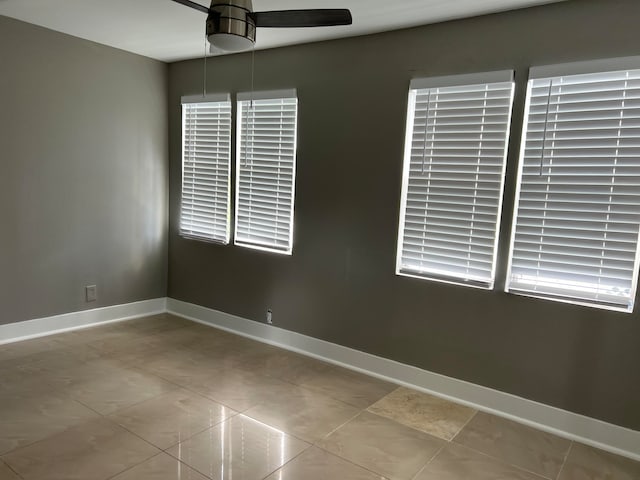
x=91 y=293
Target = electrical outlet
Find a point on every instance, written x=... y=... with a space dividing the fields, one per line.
x=269 y=316
x=91 y=293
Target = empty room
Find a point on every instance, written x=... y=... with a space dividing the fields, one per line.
x=314 y=240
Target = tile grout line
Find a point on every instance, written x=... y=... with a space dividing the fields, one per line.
x=315 y=442
x=504 y=462
x=190 y=389
x=381 y=399
x=161 y=450
x=186 y=439
x=288 y=461
x=439 y=451
x=500 y=460
x=134 y=466
x=244 y=411
x=242 y=366
x=421 y=469
x=310 y=445
x=101 y=416
x=355 y=464
x=178 y=386
x=21 y=447
x=106 y=417
x=165 y=450
x=136 y=371
x=347 y=460
x=11 y=469
x=448 y=440
x=452 y=439
x=566 y=457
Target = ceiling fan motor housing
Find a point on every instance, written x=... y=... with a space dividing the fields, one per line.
x=231 y=17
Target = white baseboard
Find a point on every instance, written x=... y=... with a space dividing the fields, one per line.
x=40 y=327
x=597 y=433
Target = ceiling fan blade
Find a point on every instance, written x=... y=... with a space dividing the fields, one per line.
x=324 y=17
x=195 y=5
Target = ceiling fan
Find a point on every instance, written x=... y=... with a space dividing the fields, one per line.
x=231 y=24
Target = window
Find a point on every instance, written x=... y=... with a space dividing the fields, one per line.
x=266 y=167
x=455 y=156
x=206 y=158
x=575 y=231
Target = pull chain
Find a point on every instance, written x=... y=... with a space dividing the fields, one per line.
x=204 y=73
x=253 y=69
x=250 y=111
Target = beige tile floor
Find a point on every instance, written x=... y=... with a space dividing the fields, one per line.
x=161 y=398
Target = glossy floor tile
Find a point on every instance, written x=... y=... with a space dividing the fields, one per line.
x=288 y=366
x=587 y=463
x=317 y=464
x=423 y=412
x=12 y=377
x=172 y=417
x=383 y=446
x=160 y=467
x=21 y=353
x=162 y=398
x=36 y=414
x=348 y=386
x=306 y=414
x=177 y=364
x=76 y=375
x=456 y=462
x=236 y=388
x=239 y=448
x=125 y=387
x=95 y=450
x=525 y=447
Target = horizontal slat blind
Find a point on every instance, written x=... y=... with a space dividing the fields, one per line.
x=453 y=180
x=206 y=157
x=266 y=173
x=577 y=220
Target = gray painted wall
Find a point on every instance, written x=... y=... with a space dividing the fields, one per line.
x=83 y=174
x=340 y=285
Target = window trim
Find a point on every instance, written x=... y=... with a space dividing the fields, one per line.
x=602 y=65
x=463 y=79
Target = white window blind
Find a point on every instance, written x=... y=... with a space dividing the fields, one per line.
x=454 y=167
x=206 y=158
x=577 y=219
x=266 y=165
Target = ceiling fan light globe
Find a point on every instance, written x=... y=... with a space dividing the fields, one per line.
x=229 y=42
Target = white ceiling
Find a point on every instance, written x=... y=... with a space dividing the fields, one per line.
x=167 y=31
